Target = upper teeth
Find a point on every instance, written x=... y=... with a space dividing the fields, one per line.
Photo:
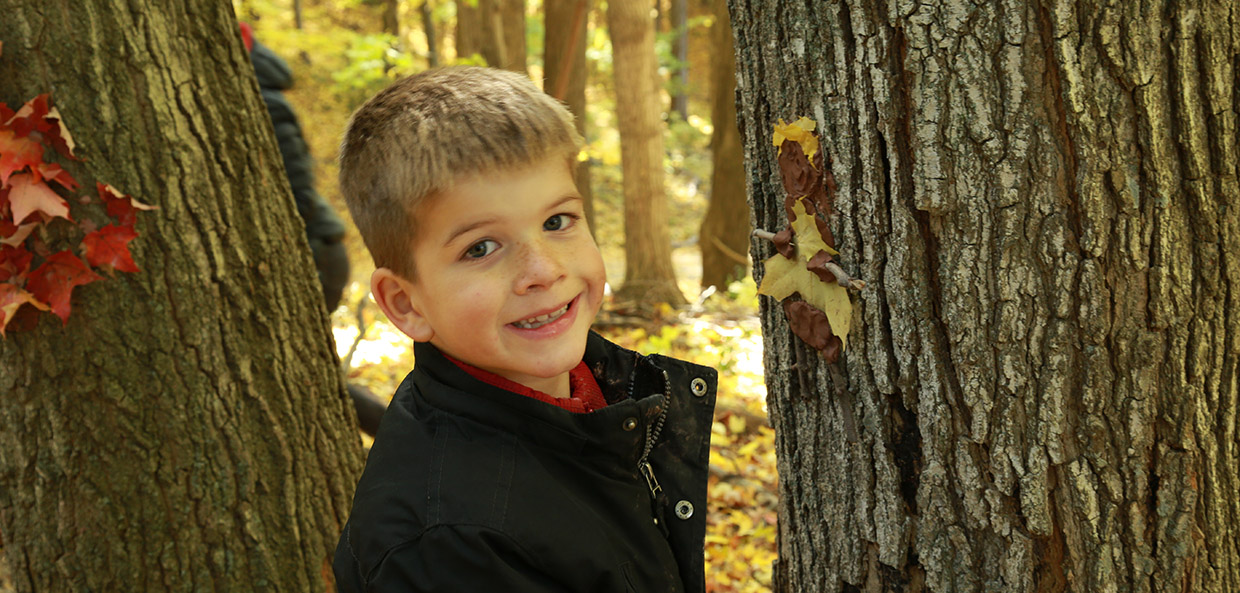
x=541 y=320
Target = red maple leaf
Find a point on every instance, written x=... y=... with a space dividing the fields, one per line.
x=53 y=172
x=27 y=196
x=14 y=262
x=54 y=281
x=108 y=247
x=12 y=297
x=39 y=119
x=120 y=206
x=17 y=153
x=14 y=235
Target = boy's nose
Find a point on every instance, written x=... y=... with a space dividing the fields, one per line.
x=538 y=267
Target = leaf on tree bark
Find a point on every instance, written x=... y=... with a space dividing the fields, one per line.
x=14 y=263
x=14 y=235
x=12 y=298
x=37 y=115
x=813 y=326
x=27 y=196
x=108 y=247
x=54 y=281
x=784 y=276
x=809 y=235
x=799 y=131
x=17 y=153
x=120 y=206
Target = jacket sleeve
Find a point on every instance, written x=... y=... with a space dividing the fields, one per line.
x=462 y=558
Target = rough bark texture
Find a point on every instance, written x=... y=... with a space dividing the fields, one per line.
x=187 y=429
x=1042 y=372
x=494 y=29
x=648 y=273
x=724 y=235
x=565 y=52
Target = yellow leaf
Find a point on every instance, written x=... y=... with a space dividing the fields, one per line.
x=785 y=276
x=749 y=448
x=736 y=424
x=723 y=463
x=809 y=240
x=799 y=131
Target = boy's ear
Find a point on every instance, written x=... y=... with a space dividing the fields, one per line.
x=396 y=298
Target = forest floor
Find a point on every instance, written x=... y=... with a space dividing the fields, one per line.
x=720 y=331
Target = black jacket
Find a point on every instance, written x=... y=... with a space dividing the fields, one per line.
x=469 y=487
x=274 y=77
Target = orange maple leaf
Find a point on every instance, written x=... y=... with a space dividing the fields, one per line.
x=12 y=297
x=27 y=196
x=17 y=153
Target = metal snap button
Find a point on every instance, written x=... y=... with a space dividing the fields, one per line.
x=630 y=423
x=684 y=509
x=698 y=386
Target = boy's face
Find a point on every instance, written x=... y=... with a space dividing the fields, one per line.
x=508 y=277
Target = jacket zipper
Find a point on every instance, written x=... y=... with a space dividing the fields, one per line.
x=652 y=436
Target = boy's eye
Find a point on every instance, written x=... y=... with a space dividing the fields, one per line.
x=558 y=222
x=481 y=249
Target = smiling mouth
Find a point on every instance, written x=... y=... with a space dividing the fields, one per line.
x=541 y=320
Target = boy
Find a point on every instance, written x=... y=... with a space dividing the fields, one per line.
x=523 y=453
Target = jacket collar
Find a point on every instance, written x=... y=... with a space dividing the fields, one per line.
x=632 y=384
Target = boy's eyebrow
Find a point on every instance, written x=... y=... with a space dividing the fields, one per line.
x=465 y=228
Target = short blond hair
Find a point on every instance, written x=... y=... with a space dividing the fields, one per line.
x=423 y=133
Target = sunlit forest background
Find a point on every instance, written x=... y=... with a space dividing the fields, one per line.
x=343 y=51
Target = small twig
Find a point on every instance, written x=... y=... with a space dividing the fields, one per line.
x=841 y=277
x=347 y=362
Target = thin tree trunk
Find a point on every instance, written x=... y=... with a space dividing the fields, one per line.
x=565 y=65
x=1041 y=376
x=494 y=29
x=432 y=39
x=648 y=273
x=724 y=235
x=680 y=50
x=187 y=429
x=391 y=18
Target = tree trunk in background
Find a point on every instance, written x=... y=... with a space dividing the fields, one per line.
x=494 y=29
x=432 y=39
x=565 y=66
x=680 y=51
x=1042 y=371
x=297 y=16
x=724 y=235
x=391 y=19
x=648 y=272
x=187 y=429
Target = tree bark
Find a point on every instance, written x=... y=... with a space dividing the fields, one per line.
x=391 y=18
x=432 y=39
x=494 y=29
x=648 y=273
x=565 y=66
x=188 y=428
x=1041 y=377
x=680 y=50
x=724 y=234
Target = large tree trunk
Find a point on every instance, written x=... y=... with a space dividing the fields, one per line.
x=648 y=273
x=494 y=29
x=565 y=65
x=1040 y=391
x=187 y=429
x=724 y=235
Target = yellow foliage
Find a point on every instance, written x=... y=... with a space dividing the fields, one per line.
x=799 y=131
x=785 y=276
x=809 y=240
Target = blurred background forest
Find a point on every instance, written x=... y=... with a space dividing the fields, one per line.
x=343 y=51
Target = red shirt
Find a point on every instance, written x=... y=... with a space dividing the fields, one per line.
x=585 y=393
